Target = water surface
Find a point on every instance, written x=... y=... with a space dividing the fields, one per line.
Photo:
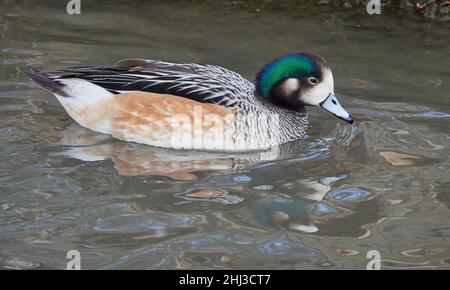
x=381 y=184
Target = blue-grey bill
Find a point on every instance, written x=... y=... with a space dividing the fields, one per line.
x=331 y=105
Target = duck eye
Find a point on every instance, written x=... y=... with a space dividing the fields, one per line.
x=313 y=81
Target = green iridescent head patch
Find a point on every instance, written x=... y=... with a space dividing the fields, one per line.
x=288 y=66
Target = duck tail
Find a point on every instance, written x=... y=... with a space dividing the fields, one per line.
x=46 y=80
x=67 y=85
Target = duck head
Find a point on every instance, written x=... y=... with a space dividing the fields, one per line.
x=297 y=80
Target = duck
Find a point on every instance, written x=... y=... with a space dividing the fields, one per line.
x=196 y=106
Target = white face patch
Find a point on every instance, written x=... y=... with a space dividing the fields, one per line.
x=289 y=86
x=319 y=93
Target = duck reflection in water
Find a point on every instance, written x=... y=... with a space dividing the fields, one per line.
x=132 y=159
x=293 y=212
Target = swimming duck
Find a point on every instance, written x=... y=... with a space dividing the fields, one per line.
x=196 y=106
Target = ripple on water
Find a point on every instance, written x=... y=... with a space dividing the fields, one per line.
x=283 y=250
x=20 y=263
x=142 y=223
x=324 y=142
x=323 y=209
x=209 y=195
x=351 y=194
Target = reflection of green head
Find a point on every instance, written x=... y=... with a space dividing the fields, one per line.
x=299 y=65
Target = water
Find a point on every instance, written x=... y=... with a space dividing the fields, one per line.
x=381 y=184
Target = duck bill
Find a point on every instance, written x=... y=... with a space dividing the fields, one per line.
x=331 y=105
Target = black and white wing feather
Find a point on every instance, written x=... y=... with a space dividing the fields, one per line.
x=202 y=83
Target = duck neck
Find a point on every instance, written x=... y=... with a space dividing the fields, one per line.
x=284 y=124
